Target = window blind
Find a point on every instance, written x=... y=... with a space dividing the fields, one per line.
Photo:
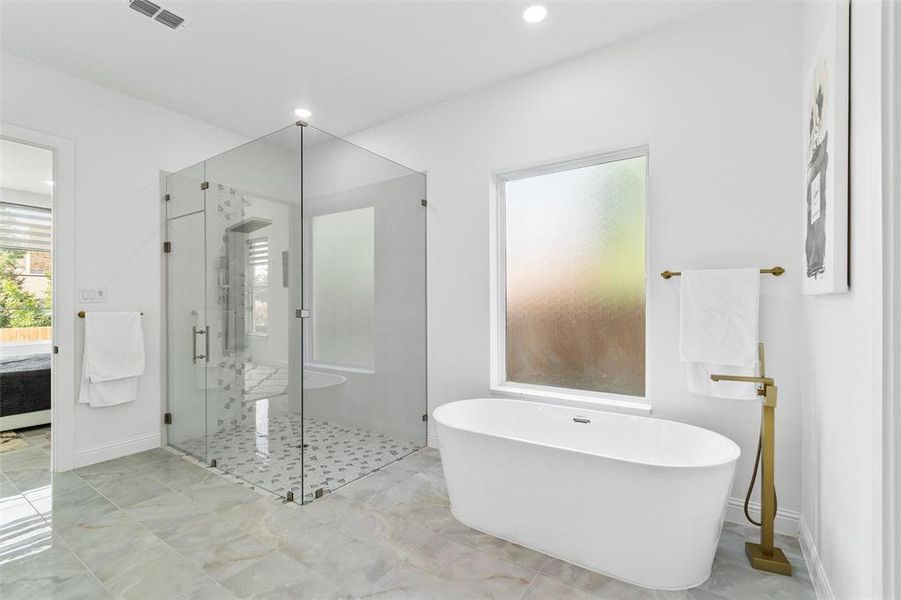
x=258 y=251
x=25 y=227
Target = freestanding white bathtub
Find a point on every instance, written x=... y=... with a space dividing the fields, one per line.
x=634 y=498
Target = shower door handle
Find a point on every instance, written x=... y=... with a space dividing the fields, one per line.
x=196 y=332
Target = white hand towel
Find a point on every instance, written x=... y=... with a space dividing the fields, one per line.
x=719 y=329
x=113 y=358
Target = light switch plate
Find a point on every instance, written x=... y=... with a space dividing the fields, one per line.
x=92 y=295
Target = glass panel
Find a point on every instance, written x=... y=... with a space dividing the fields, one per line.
x=183 y=188
x=575 y=278
x=186 y=328
x=254 y=400
x=364 y=285
x=185 y=308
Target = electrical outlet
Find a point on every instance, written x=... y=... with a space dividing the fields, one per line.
x=92 y=295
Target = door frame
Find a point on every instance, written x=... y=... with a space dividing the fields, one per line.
x=891 y=303
x=63 y=373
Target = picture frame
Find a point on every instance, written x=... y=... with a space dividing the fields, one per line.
x=826 y=142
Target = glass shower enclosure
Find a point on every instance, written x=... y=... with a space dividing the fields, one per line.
x=295 y=313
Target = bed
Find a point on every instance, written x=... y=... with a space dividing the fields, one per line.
x=24 y=391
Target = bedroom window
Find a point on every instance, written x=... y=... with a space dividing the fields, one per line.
x=257 y=286
x=570 y=258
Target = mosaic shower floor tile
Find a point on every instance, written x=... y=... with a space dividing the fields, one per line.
x=273 y=455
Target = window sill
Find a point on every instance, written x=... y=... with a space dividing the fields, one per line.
x=614 y=402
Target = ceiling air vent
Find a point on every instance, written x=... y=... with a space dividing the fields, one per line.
x=169 y=19
x=157 y=13
x=144 y=7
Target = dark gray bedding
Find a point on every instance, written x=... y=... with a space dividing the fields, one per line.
x=24 y=384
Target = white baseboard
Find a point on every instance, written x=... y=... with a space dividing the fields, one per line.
x=96 y=454
x=786 y=520
x=817 y=573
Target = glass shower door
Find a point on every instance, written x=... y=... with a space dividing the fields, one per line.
x=186 y=306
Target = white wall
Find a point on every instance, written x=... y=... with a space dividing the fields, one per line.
x=121 y=144
x=841 y=391
x=716 y=100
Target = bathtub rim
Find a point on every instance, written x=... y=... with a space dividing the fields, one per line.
x=733 y=457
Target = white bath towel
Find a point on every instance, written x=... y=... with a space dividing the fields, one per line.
x=718 y=330
x=113 y=358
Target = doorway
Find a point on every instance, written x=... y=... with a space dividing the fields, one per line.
x=26 y=294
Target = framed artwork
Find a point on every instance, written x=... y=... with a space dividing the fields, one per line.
x=826 y=93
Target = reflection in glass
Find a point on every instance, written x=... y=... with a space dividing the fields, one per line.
x=342 y=279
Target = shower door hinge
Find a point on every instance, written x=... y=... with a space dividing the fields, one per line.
x=301 y=313
x=167 y=418
x=424 y=202
x=56 y=349
x=319 y=493
x=204 y=185
x=167 y=197
x=167 y=247
x=425 y=417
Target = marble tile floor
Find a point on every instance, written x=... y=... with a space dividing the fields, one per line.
x=156 y=526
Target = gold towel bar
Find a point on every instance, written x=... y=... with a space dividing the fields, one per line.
x=775 y=271
x=81 y=314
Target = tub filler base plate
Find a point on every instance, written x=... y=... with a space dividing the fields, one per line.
x=776 y=563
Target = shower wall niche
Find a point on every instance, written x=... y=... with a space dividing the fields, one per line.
x=296 y=311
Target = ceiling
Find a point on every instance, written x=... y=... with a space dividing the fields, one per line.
x=246 y=65
x=25 y=168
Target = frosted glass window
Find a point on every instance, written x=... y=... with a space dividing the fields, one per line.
x=574 y=277
x=343 y=282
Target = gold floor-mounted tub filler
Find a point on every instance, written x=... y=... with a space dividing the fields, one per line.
x=765 y=556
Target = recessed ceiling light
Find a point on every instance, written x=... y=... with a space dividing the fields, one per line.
x=48 y=182
x=534 y=14
x=303 y=113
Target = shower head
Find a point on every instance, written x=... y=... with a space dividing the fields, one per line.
x=249 y=225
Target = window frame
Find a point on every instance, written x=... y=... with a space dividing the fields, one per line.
x=498 y=378
x=250 y=328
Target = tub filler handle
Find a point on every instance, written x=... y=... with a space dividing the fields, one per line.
x=581 y=420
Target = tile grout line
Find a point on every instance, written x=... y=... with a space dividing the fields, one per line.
x=144 y=527
x=464 y=544
x=53 y=532
x=531 y=583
